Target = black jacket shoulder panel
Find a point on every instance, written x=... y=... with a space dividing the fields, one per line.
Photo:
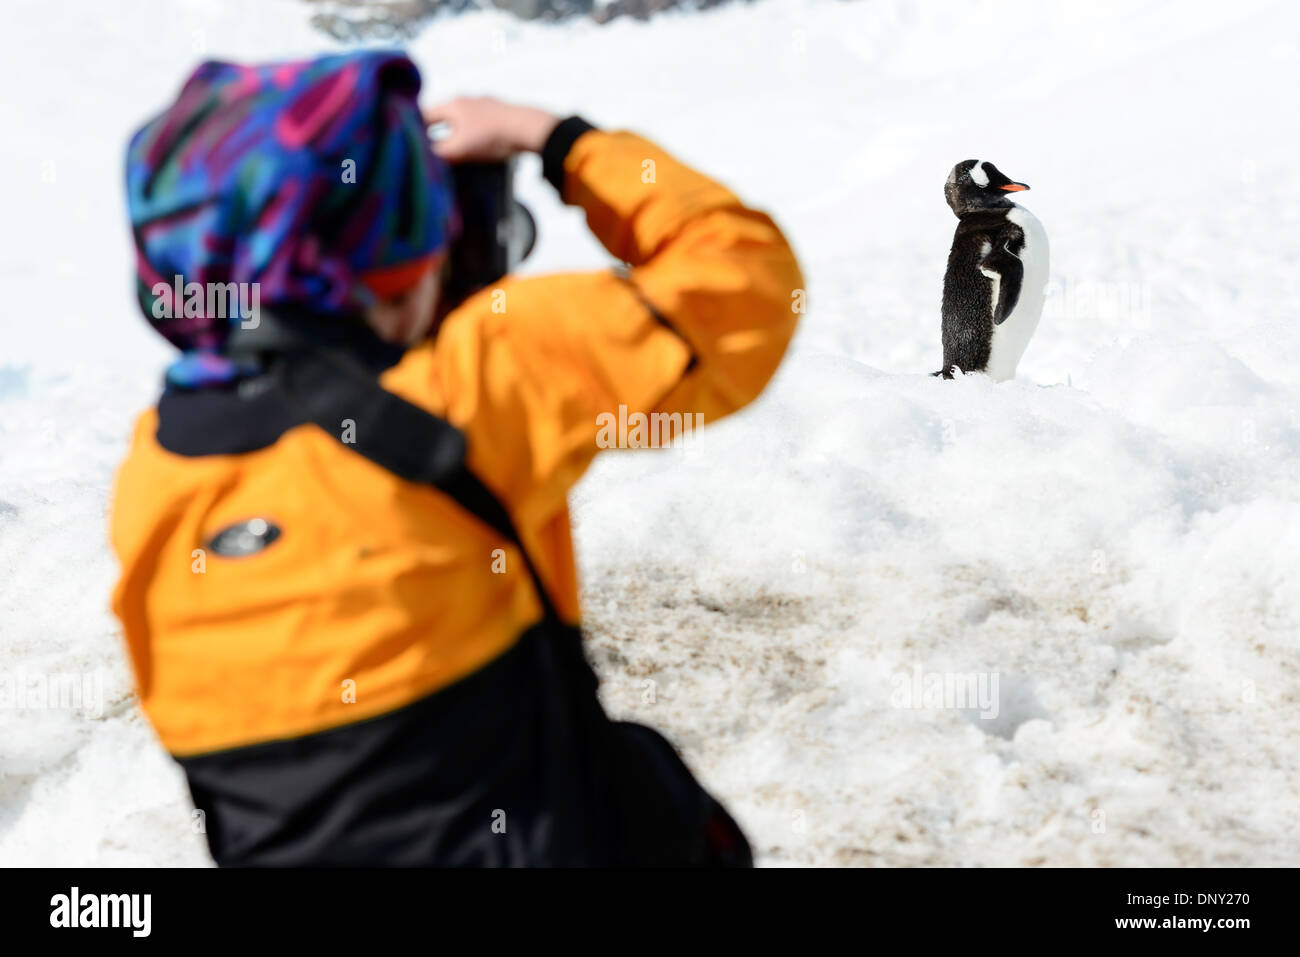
x=243 y=418
x=252 y=413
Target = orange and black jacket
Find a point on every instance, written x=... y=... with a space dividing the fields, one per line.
x=373 y=631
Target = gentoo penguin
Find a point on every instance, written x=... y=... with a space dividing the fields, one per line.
x=997 y=272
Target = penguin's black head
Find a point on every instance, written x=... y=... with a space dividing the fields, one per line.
x=978 y=184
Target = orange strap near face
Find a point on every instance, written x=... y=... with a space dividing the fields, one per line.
x=392 y=281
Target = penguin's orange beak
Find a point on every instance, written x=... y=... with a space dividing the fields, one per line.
x=1014 y=187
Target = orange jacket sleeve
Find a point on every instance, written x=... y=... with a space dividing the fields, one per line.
x=532 y=368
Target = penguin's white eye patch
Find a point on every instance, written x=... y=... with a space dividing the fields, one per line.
x=978 y=176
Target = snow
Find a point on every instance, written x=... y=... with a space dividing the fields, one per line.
x=1114 y=535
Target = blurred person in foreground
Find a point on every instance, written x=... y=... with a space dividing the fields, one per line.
x=348 y=584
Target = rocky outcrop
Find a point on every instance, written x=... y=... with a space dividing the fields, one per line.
x=399 y=19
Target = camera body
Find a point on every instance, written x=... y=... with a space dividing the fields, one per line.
x=497 y=232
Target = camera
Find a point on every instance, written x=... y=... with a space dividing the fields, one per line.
x=497 y=232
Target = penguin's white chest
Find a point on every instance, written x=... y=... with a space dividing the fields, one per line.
x=1012 y=335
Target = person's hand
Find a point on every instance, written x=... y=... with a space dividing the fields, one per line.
x=484 y=129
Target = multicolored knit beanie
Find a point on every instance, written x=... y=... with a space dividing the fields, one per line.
x=313 y=180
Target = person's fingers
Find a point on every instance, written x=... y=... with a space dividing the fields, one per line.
x=444 y=112
x=477 y=128
x=435 y=114
x=449 y=147
x=451 y=144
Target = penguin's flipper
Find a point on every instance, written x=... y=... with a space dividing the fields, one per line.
x=1010 y=273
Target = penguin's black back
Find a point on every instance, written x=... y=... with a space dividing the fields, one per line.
x=968 y=293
